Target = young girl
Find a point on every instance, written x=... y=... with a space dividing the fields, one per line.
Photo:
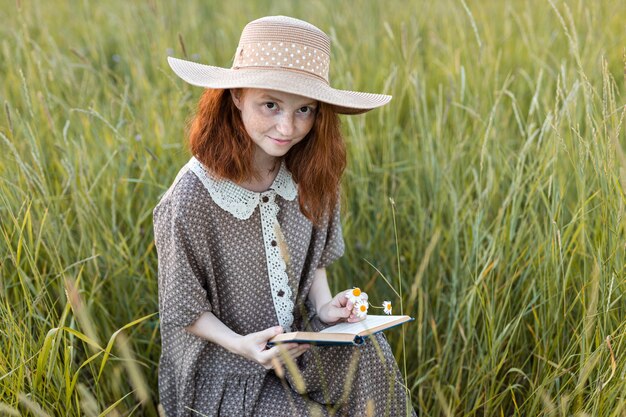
x=244 y=235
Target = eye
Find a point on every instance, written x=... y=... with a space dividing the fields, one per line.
x=306 y=110
x=271 y=105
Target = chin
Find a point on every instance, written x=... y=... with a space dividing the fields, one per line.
x=278 y=153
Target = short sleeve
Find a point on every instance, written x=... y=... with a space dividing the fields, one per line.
x=182 y=268
x=334 y=245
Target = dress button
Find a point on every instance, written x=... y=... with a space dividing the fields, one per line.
x=281 y=293
x=274 y=243
x=265 y=199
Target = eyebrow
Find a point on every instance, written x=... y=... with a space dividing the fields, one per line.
x=270 y=97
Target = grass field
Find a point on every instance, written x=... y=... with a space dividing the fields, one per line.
x=491 y=188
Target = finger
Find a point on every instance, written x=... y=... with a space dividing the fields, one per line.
x=285 y=350
x=347 y=309
x=292 y=346
x=355 y=319
x=270 y=353
x=344 y=296
x=341 y=302
x=303 y=347
x=336 y=313
x=342 y=314
x=289 y=346
x=267 y=334
x=298 y=353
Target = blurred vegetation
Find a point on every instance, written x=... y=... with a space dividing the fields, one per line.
x=491 y=188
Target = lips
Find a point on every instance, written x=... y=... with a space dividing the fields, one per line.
x=280 y=141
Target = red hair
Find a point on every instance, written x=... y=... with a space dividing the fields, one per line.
x=218 y=138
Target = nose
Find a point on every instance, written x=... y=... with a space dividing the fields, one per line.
x=286 y=125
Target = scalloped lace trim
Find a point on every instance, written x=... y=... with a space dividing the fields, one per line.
x=237 y=200
x=276 y=260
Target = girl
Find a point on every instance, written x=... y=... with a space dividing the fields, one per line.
x=244 y=235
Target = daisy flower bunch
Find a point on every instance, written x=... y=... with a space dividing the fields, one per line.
x=361 y=305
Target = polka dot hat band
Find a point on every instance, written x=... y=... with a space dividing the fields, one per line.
x=284 y=54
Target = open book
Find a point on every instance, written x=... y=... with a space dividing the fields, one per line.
x=343 y=333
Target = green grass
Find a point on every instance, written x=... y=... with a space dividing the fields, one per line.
x=503 y=152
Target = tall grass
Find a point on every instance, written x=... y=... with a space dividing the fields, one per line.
x=503 y=151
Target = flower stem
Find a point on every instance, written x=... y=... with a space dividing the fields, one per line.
x=395 y=233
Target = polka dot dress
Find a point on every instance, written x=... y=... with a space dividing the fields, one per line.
x=220 y=255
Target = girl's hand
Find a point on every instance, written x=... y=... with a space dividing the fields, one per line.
x=253 y=347
x=339 y=309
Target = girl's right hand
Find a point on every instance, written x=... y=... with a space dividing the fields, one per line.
x=253 y=346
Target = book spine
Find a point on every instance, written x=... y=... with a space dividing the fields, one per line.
x=359 y=340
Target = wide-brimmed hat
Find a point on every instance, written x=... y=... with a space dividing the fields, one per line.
x=284 y=54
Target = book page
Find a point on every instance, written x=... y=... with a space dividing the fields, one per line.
x=355 y=328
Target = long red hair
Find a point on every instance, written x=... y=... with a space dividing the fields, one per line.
x=218 y=138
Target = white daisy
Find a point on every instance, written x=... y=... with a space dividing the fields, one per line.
x=354 y=294
x=387 y=307
x=360 y=308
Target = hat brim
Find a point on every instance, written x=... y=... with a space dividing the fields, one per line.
x=285 y=80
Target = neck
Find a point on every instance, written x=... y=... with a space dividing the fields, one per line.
x=266 y=168
x=264 y=164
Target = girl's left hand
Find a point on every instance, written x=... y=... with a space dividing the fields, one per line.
x=339 y=309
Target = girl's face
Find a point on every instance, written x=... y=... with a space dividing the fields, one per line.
x=275 y=121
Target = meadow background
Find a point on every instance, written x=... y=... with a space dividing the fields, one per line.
x=491 y=188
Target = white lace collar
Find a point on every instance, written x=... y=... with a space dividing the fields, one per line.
x=238 y=201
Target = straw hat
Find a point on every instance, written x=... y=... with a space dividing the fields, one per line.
x=284 y=54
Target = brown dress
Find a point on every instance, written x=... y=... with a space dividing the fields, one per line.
x=250 y=258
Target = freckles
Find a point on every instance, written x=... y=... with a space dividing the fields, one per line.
x=307 y=126
x=257 y=122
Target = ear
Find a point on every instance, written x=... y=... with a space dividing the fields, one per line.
x=235 y=95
